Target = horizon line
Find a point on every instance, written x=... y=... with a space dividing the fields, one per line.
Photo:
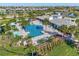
x=39 y=4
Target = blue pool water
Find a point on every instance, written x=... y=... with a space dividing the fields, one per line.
x=35 y=30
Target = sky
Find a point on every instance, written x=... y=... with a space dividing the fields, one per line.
x=39 y=4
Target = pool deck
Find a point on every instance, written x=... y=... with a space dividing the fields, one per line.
x=35 y=39
x=22 y=31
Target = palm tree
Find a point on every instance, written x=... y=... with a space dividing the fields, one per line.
x=64 y=29
x=56 y=41
x=31 y=15
x=50 y=46
x=3 y=15
x=72 y=29
x=77 y=21
x=46 y=22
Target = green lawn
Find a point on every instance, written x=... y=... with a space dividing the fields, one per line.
x=4 y=21
x=63 y=50
x=18 y=51
x=5 y=53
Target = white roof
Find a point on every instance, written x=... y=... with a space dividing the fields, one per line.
x=63 y=21
x=37 y=22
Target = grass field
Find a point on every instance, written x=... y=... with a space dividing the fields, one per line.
x=4 y=21
x=63 y=50
x=59 y=50
x=18 y=51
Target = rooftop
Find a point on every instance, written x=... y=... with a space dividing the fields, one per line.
x=59 y=20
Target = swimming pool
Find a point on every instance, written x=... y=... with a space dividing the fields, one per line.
x=34 y=30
